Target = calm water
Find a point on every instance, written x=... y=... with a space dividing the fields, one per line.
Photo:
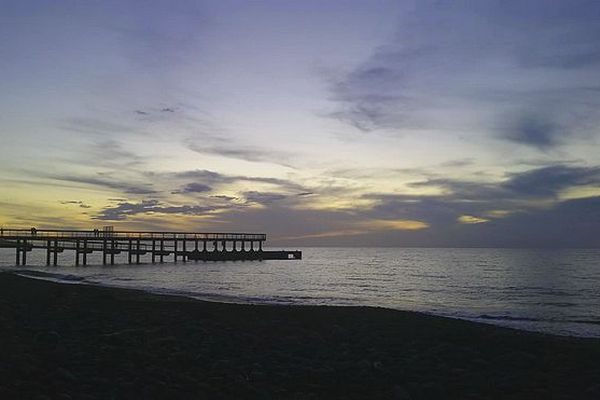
x=556 y=291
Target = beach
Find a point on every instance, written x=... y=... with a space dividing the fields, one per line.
x=69 y=341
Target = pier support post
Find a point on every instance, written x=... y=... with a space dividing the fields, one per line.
x=55 y=261
x=77 y=252
x=175 y=246
x=112 y=252
x=24 y=252
x=260 y=245
x=18 y=248
x=104 y=251
x=204 y=245
x=153 y=251
x=243 y=245
x=252 y=245
x=184 y=255
x=162 y=248
x=224 y=244
x=84 y=252
x=137 y=253
x=48 y=245
x=129 y=247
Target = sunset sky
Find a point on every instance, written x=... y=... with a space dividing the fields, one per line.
x=393 y=123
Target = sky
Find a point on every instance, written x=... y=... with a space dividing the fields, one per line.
x=335 y=123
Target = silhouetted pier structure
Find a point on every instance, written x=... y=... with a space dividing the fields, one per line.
x=183 y=246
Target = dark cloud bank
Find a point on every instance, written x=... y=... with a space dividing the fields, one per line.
x=523 y=210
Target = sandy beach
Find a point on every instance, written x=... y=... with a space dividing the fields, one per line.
x=63 y=341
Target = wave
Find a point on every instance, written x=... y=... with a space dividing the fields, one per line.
x=533 y=319
x=66 y=278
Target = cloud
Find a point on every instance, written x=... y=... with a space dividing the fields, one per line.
x=467 y=203
x=213 y=178
x=155 y=112
x=535 y=131
x=264 y=198
x=542 y=227
x=193 y=188
x=299 y=213
x=125 y=187
x=435 y=211
x=329 y=234
x=396 y=225
x=470 y=219
x=570 y=223
x=550 y=181
x=519 y=71
x=365 y=227
x=229 y=149
x=125 y=210
x=464 y=162
x=545 y=182
x=462 y=188
x=390 y=220
x=110 y=153
x=80 y=203
x=224 y=197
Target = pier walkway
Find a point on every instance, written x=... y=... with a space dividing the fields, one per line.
x=184 y=246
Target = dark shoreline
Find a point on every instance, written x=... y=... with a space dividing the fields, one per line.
x=89 y=342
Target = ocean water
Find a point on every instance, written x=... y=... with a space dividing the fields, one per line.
x=554 y=291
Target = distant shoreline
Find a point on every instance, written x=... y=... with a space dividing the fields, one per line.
x=81 y=341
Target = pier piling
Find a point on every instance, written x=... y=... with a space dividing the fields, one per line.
x=175 y=251
x=24 y=253
x=77 y=253
x=153 y=251
x=85 y=252
x=112 y=252
x=162 y=250
x=55 y=260
x=104 y=244
x=137 y=254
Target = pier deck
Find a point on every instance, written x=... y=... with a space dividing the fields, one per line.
x=184 y=246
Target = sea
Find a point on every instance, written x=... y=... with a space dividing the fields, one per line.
x=554 y=291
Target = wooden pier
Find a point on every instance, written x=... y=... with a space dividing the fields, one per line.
x=156 y=246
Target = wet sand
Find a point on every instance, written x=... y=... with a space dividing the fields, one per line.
x=61 y=341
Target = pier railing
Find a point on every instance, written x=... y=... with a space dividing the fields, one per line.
x=145 y=235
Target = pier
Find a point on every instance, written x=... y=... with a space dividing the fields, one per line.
x=155 y=246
